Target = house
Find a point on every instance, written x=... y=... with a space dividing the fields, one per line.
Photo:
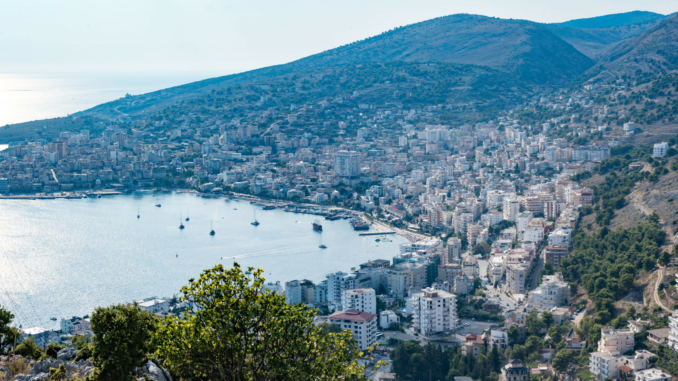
x=637 y=326
x=515 y=370
x=659 y=336
x=154 y=306
x=653 y=374
x=472 y=344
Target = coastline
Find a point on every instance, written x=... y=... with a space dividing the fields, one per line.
x=304 y=208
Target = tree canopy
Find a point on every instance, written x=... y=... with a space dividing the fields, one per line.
x=237 y=330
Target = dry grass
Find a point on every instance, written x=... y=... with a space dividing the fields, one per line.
x=18 y=366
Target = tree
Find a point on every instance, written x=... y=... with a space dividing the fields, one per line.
x=482 y=248
x=330 y=328
x=547 y=318
x=7 y=334
x=237 y=330
x=533 y=324
x=513 y=333
x=121 y=342
x=28 y=348
x=562 y=360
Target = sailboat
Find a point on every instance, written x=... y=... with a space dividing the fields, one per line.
x=137 y=212
x=255 y=222
x=187 y=219
x=181 y=225
x=211 y=229
x=321 y=242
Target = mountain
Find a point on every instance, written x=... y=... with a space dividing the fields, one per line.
x=524 y=49
x=615 y=20
x=654 y=51
x=520 y=47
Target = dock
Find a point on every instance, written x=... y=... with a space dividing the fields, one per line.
x=377 y=233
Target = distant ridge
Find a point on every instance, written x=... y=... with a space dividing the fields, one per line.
x=610 y=21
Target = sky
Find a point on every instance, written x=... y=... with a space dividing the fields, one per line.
x=230 y=36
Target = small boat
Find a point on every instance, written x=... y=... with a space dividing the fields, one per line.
x=137 y=213
x=52 y=319
x=235 y=208
x=158 y=205
x=187 y=219
x=316 y=226
x=98 y=196
x=321 y=242
x=377 y=240
x=211 y=230
x=181 y=225
x=269 y=207
x=255 y=222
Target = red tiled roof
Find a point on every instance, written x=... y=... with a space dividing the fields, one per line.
x=625 y=369
x=352 y=315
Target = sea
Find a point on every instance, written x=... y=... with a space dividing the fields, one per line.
x=62 y=258
x=26 y=97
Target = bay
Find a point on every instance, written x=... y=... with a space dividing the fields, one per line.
x=62 y=258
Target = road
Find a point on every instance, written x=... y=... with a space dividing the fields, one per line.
x=660 y=278
x=537 y=270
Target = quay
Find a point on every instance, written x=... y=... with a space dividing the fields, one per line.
x=377 y=233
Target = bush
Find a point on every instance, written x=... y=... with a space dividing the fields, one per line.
x=53 y=349
x=28 y=348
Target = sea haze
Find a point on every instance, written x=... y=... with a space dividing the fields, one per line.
x=25 y=97
x=62 y=258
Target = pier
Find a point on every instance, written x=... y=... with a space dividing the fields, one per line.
x=377 y=233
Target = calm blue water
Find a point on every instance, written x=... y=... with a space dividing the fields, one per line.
x=62 y=258
x=26 y=97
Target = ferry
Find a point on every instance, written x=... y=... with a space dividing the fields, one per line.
x=316 y=226
x=359 y=225
x=269 y=207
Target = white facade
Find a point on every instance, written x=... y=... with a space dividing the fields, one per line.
x=337 y=283
x=388 y=317
x=605 y=365
x=515 y=278
x=363 y=326
x=347 y=164
x=552 y=292
x=673 y=333
x=615 y=341
x=659 y=149
x=560 y=237
x=653 y=374
x=155 y=305
x=361 y=299
x=434 y=312
x=511 y=209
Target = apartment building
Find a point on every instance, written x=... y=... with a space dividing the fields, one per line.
x=300 y=291
x=515 y=370
x=434 y=312
x=615 y=341
x=555 y=254
x=552 y=292
x=515 y=278
x=604 y=365
x=363 y=326
x=361 y=299
x=673 y=331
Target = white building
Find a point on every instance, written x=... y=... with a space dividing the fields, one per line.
x=337 y=283
x=604 y=365
x=388 y=317
x=652 y=374
x=362 y=325
x=515 y=278
x=560 y=237
x=361 y=299
x=511 y=208
x=552 y=292
x=615 y=341
x=434 y=312
x=300 y=292
x=660 y=149
x=155 y=306
x=347 y=164
x=673 y=333
x=497 y=339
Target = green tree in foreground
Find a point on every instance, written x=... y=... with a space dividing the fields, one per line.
x=122 y=341
x=6 y=332
x=236 y=330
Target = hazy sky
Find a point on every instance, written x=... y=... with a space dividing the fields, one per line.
x=232 y=36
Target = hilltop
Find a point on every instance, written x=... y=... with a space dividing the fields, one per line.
x=614 y=20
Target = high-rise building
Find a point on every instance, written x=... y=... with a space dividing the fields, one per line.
x=434 y=312
x=302 y=291
x=347 y=164
x=4 y=186
x=453 y=251
x=361 y=299
x=511 y=208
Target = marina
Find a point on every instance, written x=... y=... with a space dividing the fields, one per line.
x=111 y=256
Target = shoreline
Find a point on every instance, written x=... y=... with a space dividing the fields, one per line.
x=377 y=225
